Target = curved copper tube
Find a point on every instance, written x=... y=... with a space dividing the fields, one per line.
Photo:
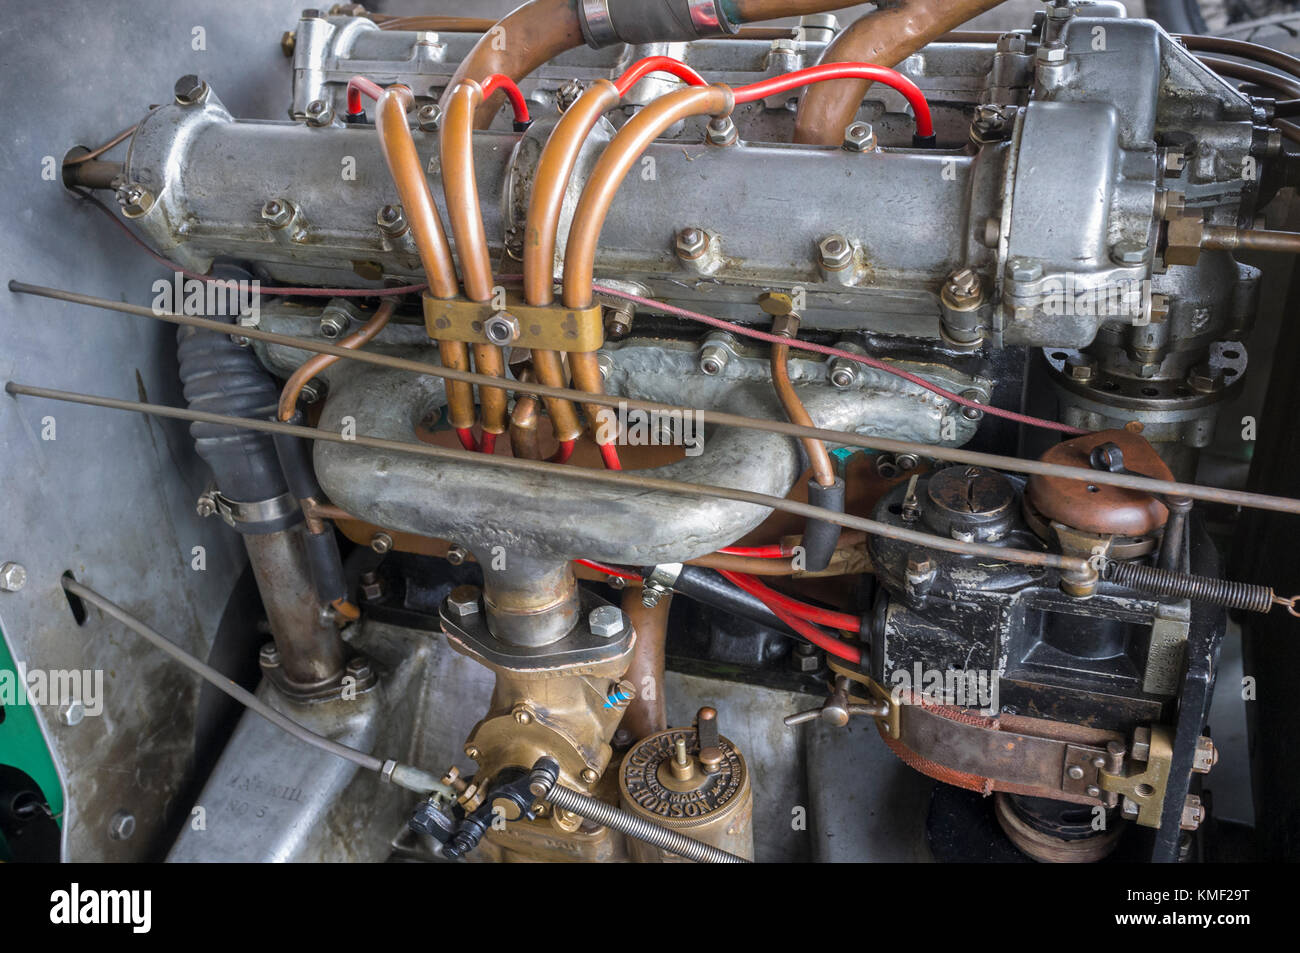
x=589 y=218
x=540 y=30
x=886 y=36
x=517 y=44
x=818 y=457
x=461 y=188
x=648 y=711
x=554 y=169
x=426 y=229
x=314 y=365
x=614 y=165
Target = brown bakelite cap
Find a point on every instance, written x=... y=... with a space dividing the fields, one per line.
x=1092 y=507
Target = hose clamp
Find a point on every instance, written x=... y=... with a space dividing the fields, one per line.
x=267 y=515
x=597 y=24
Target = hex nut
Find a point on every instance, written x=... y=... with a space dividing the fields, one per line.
x=606 y=621
x=859 y=137
x=121 y=826
x=277 y=213
x=429 y=117
x=568 y=94
x=463 y=601
x=334 y=324
x=722 y=132
x=692 y=243
x=381 y=543
x=189 y=90
x=836 y=252
x=72 y=713
x=392 y=221
x=843 y=374
x=1024 y=269
x=501 y=328
x=1129 y=253
x=319 y=113
x=13 y=576
x=1052 y=53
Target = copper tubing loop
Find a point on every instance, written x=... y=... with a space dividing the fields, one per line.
x=554 y=169
x=885 y=37
x=647 y=712
x=314 y=365
x=818 y=457
x=426 y=228
x=589 y=218
x=466 y=216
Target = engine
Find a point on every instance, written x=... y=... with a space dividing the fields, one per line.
x=586 y=405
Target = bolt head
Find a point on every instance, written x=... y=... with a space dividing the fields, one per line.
x=121 y=826
x=12 y=577
x=463 y=601
x=1205 y=380
x=692 y=242
x=1129 y=253
x=277 y=213
x=1024 y=269
x=920 y=566
x=859 y=137
x=1052 y=53
x=606 y=621
x=1011 y=43
x=189 y=89
x=522 y=715
x=429 y=117
x=650 y=597
x=359 y=668
x=134 y=199
x=568 y=94
x=72 y=713
x=836 y=252
x=1079 y=368
x=590 y=776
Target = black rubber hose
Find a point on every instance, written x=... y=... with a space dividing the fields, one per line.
x=323 y=557
x=218 y=376
x=706 y=586
x=819 y=537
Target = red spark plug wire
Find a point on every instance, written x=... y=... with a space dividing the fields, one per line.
x=828 y=71
x=657 y=64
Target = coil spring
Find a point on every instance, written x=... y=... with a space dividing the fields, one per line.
x=1162 y=582
x=601 y=813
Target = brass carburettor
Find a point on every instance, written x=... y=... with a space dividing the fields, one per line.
x=694 y=782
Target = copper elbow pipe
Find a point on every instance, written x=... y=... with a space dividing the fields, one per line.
x=589 y=218
x=314 y=365
x=554 y=169
x=885 y=37
x=822 y=467
x=619 y=157
x=524 y=441
x=648 y=711
x=466 y=216
x=517 y=44
x=426 y=229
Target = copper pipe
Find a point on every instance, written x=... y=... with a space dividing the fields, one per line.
x=517 y=44
x=648 y=711
x=614 y=165
x=886 y=36
x=1227 y=238
x=426 y=229
x=589 y=218
x=466 y=216
x=1252 y=51
x=1286 y=85
x=551 y=181
x=818 y=457
x=524 y=441
x=314 y=365
x=753 y=565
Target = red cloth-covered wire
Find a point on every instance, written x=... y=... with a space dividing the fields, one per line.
x=657 y=64
x=359 y=86
x=489 y=444
x=565 y=452
x=828 y=617
x=467 y=439
x=502 y=82
x=609 y=570
x=828 y=71
x=824 y=641
x=773 y=551
x=609 y=453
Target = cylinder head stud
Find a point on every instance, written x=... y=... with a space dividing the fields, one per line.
x=692 y=243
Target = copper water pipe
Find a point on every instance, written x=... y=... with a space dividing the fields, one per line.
x=589 y=217
x=466 y=216
x=647 y=712
x=886 y=36
x=314 y=365
x=426 y=229
x=818 y=457
x=541 y=30
x=550 y=183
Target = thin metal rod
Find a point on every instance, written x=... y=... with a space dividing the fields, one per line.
x=1127 y=481
x=630 y=480
x=402 y=774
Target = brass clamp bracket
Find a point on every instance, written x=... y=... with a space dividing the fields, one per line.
x=517 y=324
